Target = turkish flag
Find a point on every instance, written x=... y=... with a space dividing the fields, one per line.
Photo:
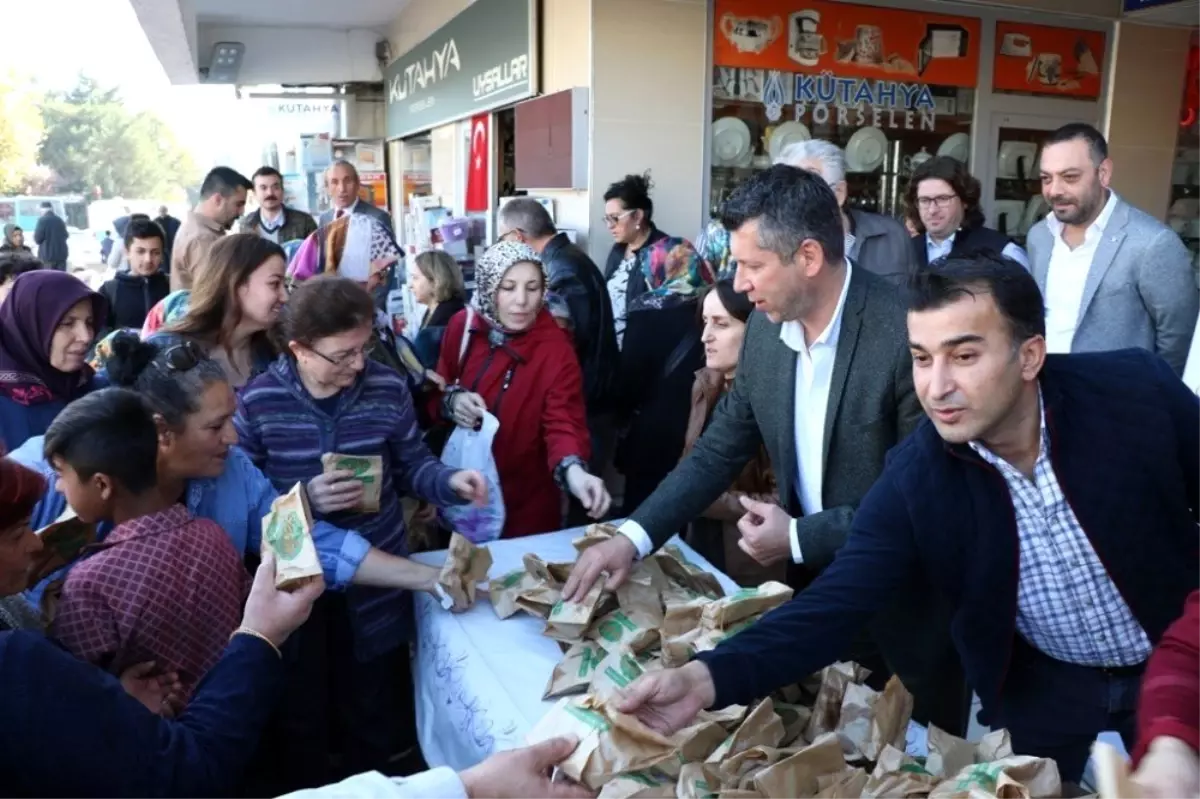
x=477 y=170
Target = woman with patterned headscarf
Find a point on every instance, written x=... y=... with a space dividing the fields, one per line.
x=506 y=355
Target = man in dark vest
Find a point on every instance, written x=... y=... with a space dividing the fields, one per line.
x=943 y=206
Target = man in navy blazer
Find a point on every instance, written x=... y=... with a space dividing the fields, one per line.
x=1052 y=499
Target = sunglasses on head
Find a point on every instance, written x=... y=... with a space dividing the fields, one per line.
x=182 y=357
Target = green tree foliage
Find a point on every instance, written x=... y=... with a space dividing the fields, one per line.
x=92 y=140
x=20 y=132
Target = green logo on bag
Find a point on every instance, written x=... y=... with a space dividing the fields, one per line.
x=590 y=659
x=360 y=466
x=589 y=717
x=512 y=579
x=285 y=534
x=610 y=629
x=629 y=672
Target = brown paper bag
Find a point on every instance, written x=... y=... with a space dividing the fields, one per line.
x=539 y=600
x=728 y=717
x=610 y=743
x=683 y=617
x=893 y=759
x=948 y=754
x=735 y=770
x=1017 y=777
x=594 y=534
x=503 y=591
x=996 y=745
x=738 y=793
x=871 y=720
x=551 y=574
x=641 y=597
x=828 y=706
x=287 y=532
x=466 y=565
x=568 y=620
x=728 y=611
x=678 y=568
x=639 y=785
x=797 y=774
x=615 y=673
x=763 y=727
x=574 y=672
x=620 y=628
x=898 y=774
x=368 y=470
x=697 y=781
x=846 y=785
x=692 y=745
x=63 y=541
x=679 y=650
x=795 y=719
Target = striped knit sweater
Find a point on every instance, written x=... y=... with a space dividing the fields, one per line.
x=283 y=431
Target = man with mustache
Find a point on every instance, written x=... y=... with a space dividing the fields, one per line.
x=1052 y=499
x=273 y=220
x=1113 y=275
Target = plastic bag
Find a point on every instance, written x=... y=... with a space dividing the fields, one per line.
x=472 y=449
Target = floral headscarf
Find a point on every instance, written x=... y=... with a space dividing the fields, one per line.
x=674 y=273
x=713 y=246
x=490 y=270
x=169 y=309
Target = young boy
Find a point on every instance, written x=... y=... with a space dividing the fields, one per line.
x=165 y=587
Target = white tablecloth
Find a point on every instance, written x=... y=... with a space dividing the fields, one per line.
x=479 y=680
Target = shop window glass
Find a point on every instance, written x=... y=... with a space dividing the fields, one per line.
x=1183 y=215
x=891 y=87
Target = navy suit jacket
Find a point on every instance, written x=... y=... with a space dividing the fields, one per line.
x=1125 y=446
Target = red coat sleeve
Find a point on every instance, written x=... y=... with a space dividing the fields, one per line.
x=564 y=418
x=1170 y=700
x=447 y=365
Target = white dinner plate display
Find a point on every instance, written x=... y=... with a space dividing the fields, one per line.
x=785 y=134
x=957 y=147
x=730 y=141
x=866 y=150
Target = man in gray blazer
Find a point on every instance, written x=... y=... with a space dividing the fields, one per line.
x=877 y=243
x=1113 y=276
x=824 y=380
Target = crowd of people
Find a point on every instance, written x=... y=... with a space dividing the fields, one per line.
x=976 y=463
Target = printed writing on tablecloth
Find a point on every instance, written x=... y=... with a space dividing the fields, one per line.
x=857 y=101
x=449 y=669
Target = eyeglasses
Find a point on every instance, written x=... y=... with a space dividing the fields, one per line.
x=941 y=201
x=347 y=358
x=183 y=357
x=612 y=219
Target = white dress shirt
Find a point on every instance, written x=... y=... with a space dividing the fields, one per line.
x=1067 y=605
x=268 y=228
x=1067 y=275
x=814 y=373
x=940 y=250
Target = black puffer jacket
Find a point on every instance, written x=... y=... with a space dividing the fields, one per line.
x=575 y=279
x=130 y=298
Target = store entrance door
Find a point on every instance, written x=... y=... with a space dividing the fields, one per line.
x=1016 y=202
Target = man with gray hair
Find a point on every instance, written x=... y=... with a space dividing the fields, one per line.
x=580 y=301
x=877 y=243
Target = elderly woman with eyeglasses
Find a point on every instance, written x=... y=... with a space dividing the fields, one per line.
x=326 y=395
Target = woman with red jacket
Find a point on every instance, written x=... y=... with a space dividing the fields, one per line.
x=517 y=364
x=1168 y=715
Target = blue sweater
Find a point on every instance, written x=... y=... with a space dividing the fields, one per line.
x=71 y=730
x=281 y=428
x=1125 y=445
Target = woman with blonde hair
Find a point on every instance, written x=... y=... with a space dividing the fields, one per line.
x=436 y=282
x=235 y=301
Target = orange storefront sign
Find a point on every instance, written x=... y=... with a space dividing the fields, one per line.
x=848 y=40
x=1045 y=60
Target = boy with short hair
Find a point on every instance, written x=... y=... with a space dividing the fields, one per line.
x=165 y=586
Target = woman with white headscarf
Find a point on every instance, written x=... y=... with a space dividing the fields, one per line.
x=506 y=355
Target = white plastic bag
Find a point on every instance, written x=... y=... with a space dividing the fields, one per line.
x=472 y=449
